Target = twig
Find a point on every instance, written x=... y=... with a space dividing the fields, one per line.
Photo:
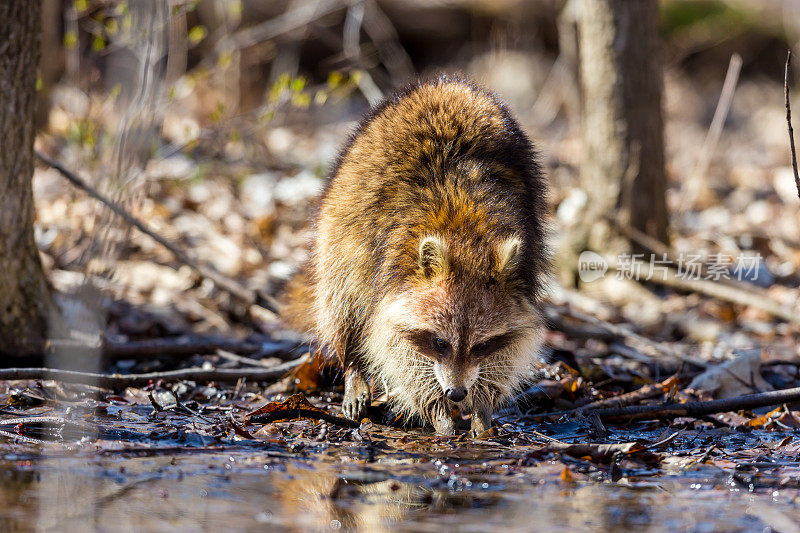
x=595 y=451
x=118 y=381
x=247 y=296
x=381 y=32
x=622 y=349
x=636 y=339
x=294 y=414
x=643 y=393
x=694 y=409
x=789 y=121
x=21 y=438
x=228 y=356
x=352 y=50
x=715 y=129
x=189 y=345
x=556 y=322
x=289 y=21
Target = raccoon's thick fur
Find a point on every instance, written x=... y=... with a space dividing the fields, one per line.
x=430 y=256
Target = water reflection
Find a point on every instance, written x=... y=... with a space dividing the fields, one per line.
x=256 y=491
x=329 y=500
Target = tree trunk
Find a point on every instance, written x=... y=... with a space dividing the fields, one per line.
x=621 y=83
x=25 y=299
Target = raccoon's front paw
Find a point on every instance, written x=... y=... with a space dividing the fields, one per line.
x=357 y=396
x=481 y=421
x=442 y=421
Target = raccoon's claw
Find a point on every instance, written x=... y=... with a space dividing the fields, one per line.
x=355 y=408
x=357 y=396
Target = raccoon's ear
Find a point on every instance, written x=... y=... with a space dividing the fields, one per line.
x=432 y=255
x=508 y=255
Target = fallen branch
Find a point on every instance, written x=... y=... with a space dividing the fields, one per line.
x=595 y=451
x=294 y=414
x=234 y=288
x=695 y=409
x=247 y=361
x=789 y=120
x=629 y=398
x=120 y=381
x=190 y=345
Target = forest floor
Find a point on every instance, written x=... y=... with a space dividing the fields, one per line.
x=238 y=194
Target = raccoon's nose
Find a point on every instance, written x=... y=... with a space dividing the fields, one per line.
x=457 y=394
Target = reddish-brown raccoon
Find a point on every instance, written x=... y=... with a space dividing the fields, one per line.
x=430 y=256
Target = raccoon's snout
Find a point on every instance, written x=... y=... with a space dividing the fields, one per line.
x=456 y=394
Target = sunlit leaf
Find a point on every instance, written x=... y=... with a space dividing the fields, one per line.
x=335 y=79
x=98 y=43
x=218 y=112
x=112 y=27
x=763 y=420
x=298 y=84
x=197 y=34
x=235 y=7
x=301 y=100
x=225 y=60
x=70 y=39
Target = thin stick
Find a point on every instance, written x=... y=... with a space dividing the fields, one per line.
x=247 y=296
x=556 y=322
x=294 y=414
x=289 y=21
x=117 y=381
x=642 y=393
x=789 y=120
x=382 y=33
x=715 y=129
x=188 y=345
x=694 y=409
x=637 y=340
x=228 y=356
x=595 y=451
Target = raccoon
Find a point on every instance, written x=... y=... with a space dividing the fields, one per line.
x=430 y=256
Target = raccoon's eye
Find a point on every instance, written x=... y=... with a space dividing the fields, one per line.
x=439 y=345
x=489 y=346
x=480 y=349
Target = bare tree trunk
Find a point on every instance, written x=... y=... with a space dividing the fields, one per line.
x=24 y=293
x=621 y=83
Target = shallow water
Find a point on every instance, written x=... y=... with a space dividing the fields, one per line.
x=341 y=488
x=118 y=464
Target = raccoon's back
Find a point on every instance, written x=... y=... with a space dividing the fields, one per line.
x=442 y=157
